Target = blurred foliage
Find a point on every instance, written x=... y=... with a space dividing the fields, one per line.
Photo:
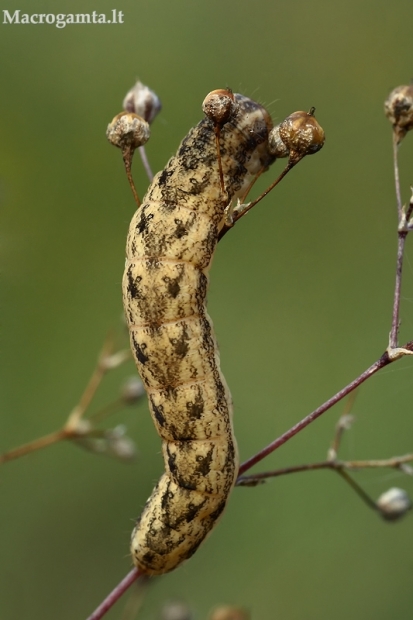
x=300 y=294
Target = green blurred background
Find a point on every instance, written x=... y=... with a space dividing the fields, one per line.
x=301 y=294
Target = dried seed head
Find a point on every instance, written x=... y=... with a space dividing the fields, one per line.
x=143 y=101
x=219 y=106
x=275 y=145
x=398 y=108
x=394 y=504
x=301 y=134
x=128 y=130
x=228 y=612
x=132 y=390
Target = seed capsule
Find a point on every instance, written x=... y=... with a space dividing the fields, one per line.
x=142 y=101
x=219 y=105
x=128 y=130
x=398 y=108
x=394 y=504
x=301 y=134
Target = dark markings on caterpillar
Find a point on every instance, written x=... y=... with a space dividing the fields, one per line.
x=171 y=242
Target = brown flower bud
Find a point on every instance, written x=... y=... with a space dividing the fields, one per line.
x=219 y=105
x=143 y=101
x=394 y=504
x=301 y=134
x=128 y=130
x=275 y=145
x=398 y=108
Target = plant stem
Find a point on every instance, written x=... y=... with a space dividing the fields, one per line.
x=146 y=164
x=115 y=595
x=397 y=290
x=383 y=361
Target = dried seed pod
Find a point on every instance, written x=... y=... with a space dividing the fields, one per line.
x=398 y=108
x=143 y=101
x=301 y=134
x=219 y=106
x=394 y=504
x=128 y=130
x=275 y=144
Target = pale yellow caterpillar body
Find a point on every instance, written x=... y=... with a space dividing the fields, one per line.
x=171 y=241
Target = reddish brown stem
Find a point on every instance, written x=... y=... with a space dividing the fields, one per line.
x=383 y=361
x=394 y=334
x=115 y=595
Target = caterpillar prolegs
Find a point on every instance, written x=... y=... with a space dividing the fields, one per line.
x=170 y=245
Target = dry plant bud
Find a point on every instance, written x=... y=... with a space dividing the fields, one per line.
x=346 y=421
x=119 y=444
x=227 y=612
x=113 y=443
x=113 y=361
x=398 y=108
x=132 y=390
x=301 y=134
x=394 y=504
x=275 y=144
x=219 y=106
x=406 y=469
x=143 y=101
x=128 y=130
x=176 y=611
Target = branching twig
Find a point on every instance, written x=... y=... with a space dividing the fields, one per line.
x=392 y=463
x=76 y=427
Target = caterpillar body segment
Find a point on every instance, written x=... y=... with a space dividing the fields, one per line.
x=171 y=242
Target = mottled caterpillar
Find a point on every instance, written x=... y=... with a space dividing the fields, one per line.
x=170 y=245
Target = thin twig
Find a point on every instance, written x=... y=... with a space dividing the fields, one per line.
x=146 y=164
x=31 y=446
x=73 y=429
x=401 y=238
x=392 y=463
x=397 y=175
x=360 y=492
x=381 y=363
x=90 y=390
x=115 y=595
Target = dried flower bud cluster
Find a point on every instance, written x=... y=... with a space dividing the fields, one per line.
x=142 y=101
x=300 y=133
x=394 y=504
x=219 y=106
x=398 y=108
x=113 y=442
x=128 y=130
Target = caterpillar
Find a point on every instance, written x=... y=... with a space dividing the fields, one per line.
x=170 y=246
